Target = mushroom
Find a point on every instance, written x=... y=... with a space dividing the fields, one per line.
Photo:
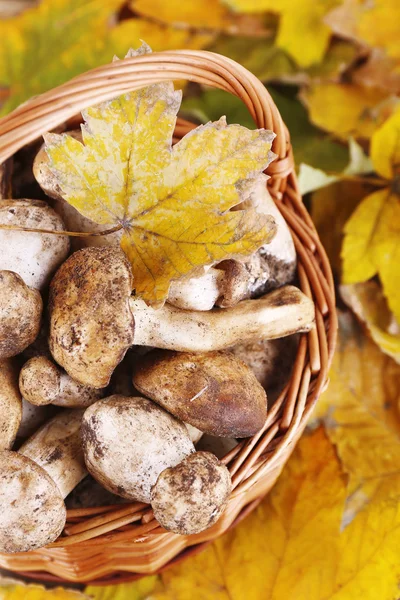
x=231 y=281
x=10 y=404
x=34 y=256
x=191 y=497
x=36 y=479
x=73 y=219
x=270 y=360
x=127 y=442
x=42 y=382
x=215 y=391
x=94 y=319
x=89 y=493
x=32 y=418
x=194 y=433
x=20 y=314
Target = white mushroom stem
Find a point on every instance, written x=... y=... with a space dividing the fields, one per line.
x=278 y=314
x=56 y=447
x=197 y=293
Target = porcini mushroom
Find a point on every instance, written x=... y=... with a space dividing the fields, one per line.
x=191 y=497
x=214 y=391
x=20 y=314
x=42 y=382
x=10 y=404
x=127 y=442
x=32 y=418
x=34 y=256
x=36 y=479
x=94 y=319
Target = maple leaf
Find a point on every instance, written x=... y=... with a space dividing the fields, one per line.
x=299 y=21
x=15 y=590
x=372 y=234
x=172 y=203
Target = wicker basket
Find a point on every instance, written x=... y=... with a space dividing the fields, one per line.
x=106 y=544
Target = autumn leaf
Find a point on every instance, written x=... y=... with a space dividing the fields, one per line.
x=367 y=301
x=18 y=591
x=210 y=14
x=372 y=234
x=173 y=204
x=299 y=21
x=353 y=110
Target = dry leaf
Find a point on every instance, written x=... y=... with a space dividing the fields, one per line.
x=371 y=244
x=378 y=25
x=367 y=301
x=346 y=109
x=173 y=204
x=379 y=71
x=19 y=591
x=299 y=21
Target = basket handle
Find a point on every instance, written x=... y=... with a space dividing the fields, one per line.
x=42 y=113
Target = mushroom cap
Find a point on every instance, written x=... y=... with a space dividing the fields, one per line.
x=20 y=314
x=214 y=391
x=31 y=506
x=42 y=382
x=190 y=497
x=127 y=442
x=10 y=404
x=91 y=323
x=34 y=256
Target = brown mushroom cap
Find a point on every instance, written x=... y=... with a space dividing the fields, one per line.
x=127 y=442
x=43 y=382
x=214 y=391
x=31 y=506
x=20 y=314
x=190 y=497
x=91 y=324
x=10 y=404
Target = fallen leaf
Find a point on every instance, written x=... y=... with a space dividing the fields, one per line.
x=299 y=21
x=367 y=301
x=19 y=591
x=43 y=47
x=210 y=14
x=353 y=110
x=172 y=204
x=207 y=107
x=339 y=57
x=385 y=148
x=331 y=207
x=360 y=409
x=379 y=71
x=378 y=25
x=311 y=179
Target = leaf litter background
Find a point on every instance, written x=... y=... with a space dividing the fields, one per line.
x=330 y=529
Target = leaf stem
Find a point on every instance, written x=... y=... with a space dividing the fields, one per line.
x=69 y=233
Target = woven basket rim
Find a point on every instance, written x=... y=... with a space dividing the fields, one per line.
x=255 y=463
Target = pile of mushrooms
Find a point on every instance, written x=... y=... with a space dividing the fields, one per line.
x=98 y=387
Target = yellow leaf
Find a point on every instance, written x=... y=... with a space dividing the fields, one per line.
x=331 y=207
x=378 y=25
x=346 y=109
x=385 y=147
x=360 y=407
x=173 y=204
x=372 y=244
x=300 y=21
x=209 y=14
x=43 y=47
x=19 y=591
x=367 y=301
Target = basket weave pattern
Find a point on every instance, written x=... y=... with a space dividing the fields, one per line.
x=105 y=542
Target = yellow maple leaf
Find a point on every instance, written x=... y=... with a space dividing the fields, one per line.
x=367 y=301
x=372 y=234
x=19 y=591
x=378 y=25
x=347 y=109
x=173 y=204
x=209 y=14
x=300 y=21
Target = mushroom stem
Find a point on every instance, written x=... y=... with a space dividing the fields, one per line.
x=35 y=482
x=10 y=404
x=56 y=447
x=278 y=314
